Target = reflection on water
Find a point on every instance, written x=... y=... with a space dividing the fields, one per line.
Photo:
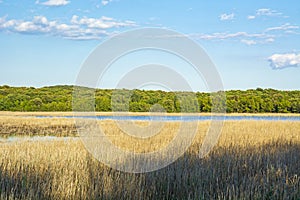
x=35 y=139
x=184 y=117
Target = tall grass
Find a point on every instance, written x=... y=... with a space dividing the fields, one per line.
x=32 y=126
x=252 y=160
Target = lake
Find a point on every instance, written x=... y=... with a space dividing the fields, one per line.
x=184 y=117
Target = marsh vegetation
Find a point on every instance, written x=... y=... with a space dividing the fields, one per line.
x=252 y=160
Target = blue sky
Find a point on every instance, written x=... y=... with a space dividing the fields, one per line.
x=252 y=43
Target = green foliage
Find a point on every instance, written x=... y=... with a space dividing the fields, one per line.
x=59 y=98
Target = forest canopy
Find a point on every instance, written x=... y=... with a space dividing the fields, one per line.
x=59 y=98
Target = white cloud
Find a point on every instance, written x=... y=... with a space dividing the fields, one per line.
x=54 y=2
x=40 y=20
x=105 y=2
x=269 y=40
x=267 y=12
x=95 y=28
x=225 y=17
x=77 y=28
x=249 y=42
x=102 y=23
x=223 y=36
x=26 y=27
x=251 y=17
x=243 y=37
x=263 y=37
x=6 y=24
x=284 y=27
x=279 y=61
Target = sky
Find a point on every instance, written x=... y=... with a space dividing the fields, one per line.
x=252 y=43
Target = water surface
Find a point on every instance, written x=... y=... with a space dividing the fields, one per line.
x=185 y=117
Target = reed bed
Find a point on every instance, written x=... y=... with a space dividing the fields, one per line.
x=252 y=160
x=32 y=126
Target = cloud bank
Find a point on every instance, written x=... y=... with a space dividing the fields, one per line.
x=89 y=28
x=280 y=61
x=77 y=28
x=54 y=2
x=284 y=27
x=265 y=12
x=243 y=37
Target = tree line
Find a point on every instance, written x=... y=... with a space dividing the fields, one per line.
x=59 y=98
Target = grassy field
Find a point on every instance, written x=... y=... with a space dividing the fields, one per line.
x=252 y=160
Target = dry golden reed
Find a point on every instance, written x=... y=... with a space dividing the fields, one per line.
x=32 y=126
x=252 y=160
